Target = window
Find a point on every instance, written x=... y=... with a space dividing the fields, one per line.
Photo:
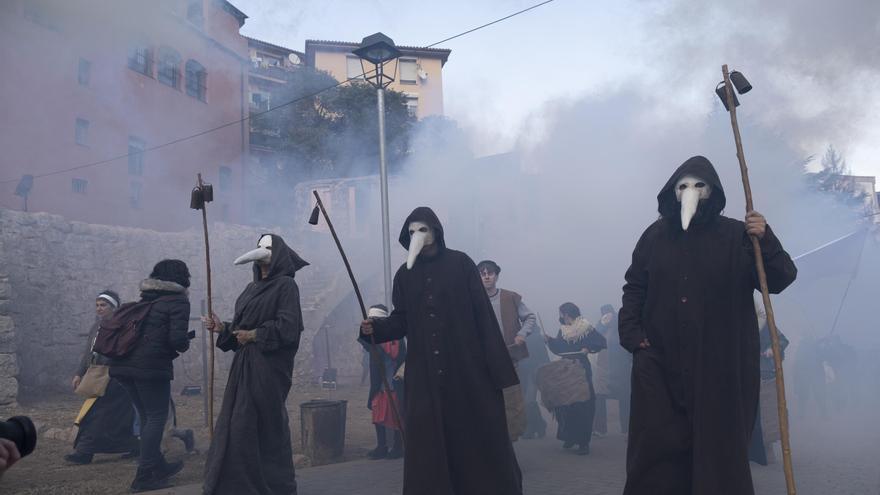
x=412 y=104
x=134 y=194
x=82 y=132
x=195 y=13
x=225 y=178
x=140 y=59
x=259 y=101
x=136 y=149
x=169 y=67
x=353 y=68
x=79 y=185
x=408 y=71
x=84 y=72
x=196 y=80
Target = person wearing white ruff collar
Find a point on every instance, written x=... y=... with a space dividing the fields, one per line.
x=456 y=368
x=688 y=317
x=251 y=450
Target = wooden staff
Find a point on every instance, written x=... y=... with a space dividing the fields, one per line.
x=765 y=294
x=374 y=350
x=202 y=195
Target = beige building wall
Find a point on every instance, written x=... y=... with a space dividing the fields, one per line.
x=425 y=90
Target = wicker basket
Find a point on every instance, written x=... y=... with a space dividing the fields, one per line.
x=562 y=383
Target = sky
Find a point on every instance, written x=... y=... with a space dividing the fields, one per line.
x=815 y=65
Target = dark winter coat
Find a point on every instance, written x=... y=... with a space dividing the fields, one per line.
x=163 y=334
x=695 y=390
x=457 y=365
x=251 y=451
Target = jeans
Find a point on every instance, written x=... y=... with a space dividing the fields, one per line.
x=150 y=398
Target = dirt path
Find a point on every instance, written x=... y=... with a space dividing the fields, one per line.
x=46 y=472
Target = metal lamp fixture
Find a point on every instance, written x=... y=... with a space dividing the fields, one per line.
x=378 y=49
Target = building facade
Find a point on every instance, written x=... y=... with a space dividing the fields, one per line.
x=92 y=86
x=419 y=71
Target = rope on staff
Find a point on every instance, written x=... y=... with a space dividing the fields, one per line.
x=782 y=406
x=374 y=350
x=201 y=196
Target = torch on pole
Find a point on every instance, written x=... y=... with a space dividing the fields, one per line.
x=203 y=194
x=374 y=350
x=737 y=80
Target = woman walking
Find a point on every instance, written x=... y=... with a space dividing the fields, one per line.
x=576 y=339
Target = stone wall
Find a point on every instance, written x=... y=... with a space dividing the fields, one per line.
x=8 y=359
x=51 y=270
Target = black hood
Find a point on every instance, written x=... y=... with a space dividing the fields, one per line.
x=698 y=166
x=284 y=260
x=427 y=216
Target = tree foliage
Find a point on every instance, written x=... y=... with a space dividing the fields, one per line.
x=331 y=133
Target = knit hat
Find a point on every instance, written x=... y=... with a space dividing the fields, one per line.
x=111 y=297
x=171 y=271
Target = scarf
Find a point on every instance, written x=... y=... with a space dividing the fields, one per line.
x=576 y=331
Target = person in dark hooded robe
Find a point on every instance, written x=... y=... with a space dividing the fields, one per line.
x=456 y=368
x=688 y=317
x=251 y=452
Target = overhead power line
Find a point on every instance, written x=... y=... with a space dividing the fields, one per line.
x=250 y=116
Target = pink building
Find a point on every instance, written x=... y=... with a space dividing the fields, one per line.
x=94 y=81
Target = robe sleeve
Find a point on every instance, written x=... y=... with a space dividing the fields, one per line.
x=178 y=326
x=285 y=329
x=595 y=341
x=501 y=369
x=226 y=340
x=394 y=326
x=780 y=269
x=558 y=345
x=634 y=294
x=86 y=358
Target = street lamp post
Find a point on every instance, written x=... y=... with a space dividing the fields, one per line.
x=377 y=50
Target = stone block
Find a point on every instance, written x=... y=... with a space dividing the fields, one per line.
x=8 y=390
x=8 y=365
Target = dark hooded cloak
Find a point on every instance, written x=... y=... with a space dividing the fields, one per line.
x=251 y=450
x=456 y=367
x=695 y=389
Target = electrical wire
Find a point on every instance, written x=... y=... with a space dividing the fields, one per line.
x=250 y=116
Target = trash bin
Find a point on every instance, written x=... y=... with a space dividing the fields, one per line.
x=322 y=424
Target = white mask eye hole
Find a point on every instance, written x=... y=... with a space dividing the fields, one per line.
x=423 y=229
x=682 y=187
x=700 y=185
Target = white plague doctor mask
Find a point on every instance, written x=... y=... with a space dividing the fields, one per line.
x=262 y=255
x=420 y=235
x=689 y=190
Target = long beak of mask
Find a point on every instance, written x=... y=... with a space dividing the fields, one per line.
x=689 y=190
x=262 y=255
x=420 y=235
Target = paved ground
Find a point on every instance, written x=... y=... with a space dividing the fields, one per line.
x=839 y=460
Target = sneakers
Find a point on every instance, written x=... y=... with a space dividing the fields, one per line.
x=583 y=449
x=379 y=452
x=155 y=478
x=78 y=458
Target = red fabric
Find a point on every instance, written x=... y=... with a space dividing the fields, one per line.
x=391 y=348
x=382 y=412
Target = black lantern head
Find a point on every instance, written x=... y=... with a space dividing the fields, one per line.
x=313 y=219
x=196 y=199
x=740 y=82
x=719 y=90
x=377 y=49
x=207 y=192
